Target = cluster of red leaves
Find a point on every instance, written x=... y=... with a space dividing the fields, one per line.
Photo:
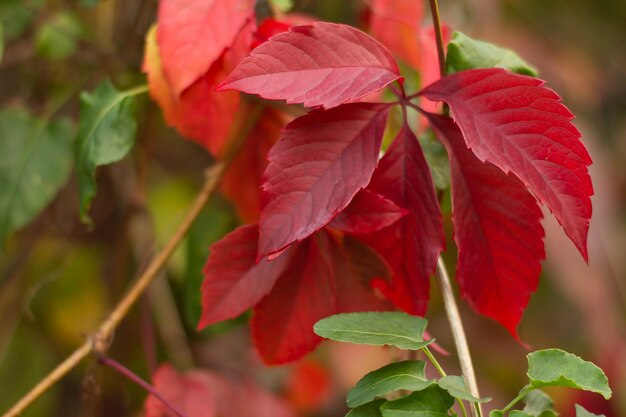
x=334 y=219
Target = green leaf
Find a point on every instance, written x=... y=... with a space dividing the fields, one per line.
x=455 y=385
x=371 y=409
x=517 y=413
x=581 y=412
x=437 y=159
x=496 y=413
x=282 y=5
x=58 y=37
x=554 y=367
x=408 y=375
x=35 y=162
x=539 y=404
x=465 y=53
x=385 y=328
x=106 y=133
x=431 y=402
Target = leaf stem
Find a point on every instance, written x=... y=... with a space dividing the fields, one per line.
x=101 y=339
x=113 y=364
x=439 y=368
x=523 y=392
x=454 y=318
x=434 y=9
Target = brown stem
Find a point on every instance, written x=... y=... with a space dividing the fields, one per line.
x=434 y=9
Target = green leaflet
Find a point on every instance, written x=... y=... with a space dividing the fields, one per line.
x=106 y=133
x=465 y=53
x=58 y=37
x=539 y=404
x=35 y=162
x=407 y=375
x=371 y=409
x=554 y=367
x=455 y=385
x=581 y=412
x=517 y=413
x=385 y=328
x=431 y=402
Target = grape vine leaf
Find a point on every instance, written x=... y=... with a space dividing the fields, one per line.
x=456 y=386
x=375 y=328
x=371 y=409
x=520 y=126
x=430 y=402
x=465 y=53
x=497 y=228
x=368 y=212
x=554 y=367
x=322 y=160
x=326 y=275
x=404 y=375
x=412 y=245
x=35 y=162
x=106 y=133
x=539 y=404
x=321 y=64
x=193 y=34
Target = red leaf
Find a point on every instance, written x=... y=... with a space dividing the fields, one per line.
x=190 y=394
x=234 y=282
x=268 y=28
x=326 y=275
x=242 y=181
x=368 y=212
x=192 y=34
x=412 y=245
x=520 y=126
x=309 y=387
x=322 y=160
x=497 y=228
x=322 y=64
x=396 y=23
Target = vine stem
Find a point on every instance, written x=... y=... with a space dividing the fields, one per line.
x=434 y=9
x=439 y=368
x=454 y=318
x=99 y=341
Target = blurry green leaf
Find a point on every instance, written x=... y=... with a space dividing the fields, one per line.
x=89 y=3
x=1 y=41
x=106 y=133
x=455 y=385
x=437 y=159
x=57 y=38
x=465 y=53
x=35 y=161
x=581 y=412
x=385 y=328
x=27 y=361
x=517 y=413
x=539 y=404
x=431 y=402
x=554 y=367
x=408 y=375
x=214 y=222
x=367 y=410
x=282 y=5
x=496 y=413
x=17 y=15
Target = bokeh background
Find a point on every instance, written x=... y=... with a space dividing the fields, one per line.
x=59 y=278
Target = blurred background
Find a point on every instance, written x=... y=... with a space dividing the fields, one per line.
x=59 y=278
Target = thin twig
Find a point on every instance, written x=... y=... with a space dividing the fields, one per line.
x=101 y=339
x=434 y=9
x=121 y=369
x=454 y=318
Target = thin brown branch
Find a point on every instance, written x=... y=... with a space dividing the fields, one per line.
x=434 y=10
x=454 y=318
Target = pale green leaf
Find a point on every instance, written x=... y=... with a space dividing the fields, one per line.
x=406 y=375
x=58 y=37
x=375 y=328
x=35 y=162
x=106 y=133
x=581 y=412
x=371 y=409
x=456 y=386
x=554 y=367
x=517 y=413
x=496 y=413
x=282 y=5
x=431 y=402
x=539 y=404
x=465 y=53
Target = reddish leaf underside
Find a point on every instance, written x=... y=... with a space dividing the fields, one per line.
x=322 y=160
x=497 y=228
x=412 y=245
x=234 y=282
x=520 y=126
x=244 y=177
x=192 y=35
x=368 y=212
x=321 y=64
x=326 y=275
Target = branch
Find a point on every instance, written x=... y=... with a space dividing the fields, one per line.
x=454 y=318
x=434 y=9
x=100 y=341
